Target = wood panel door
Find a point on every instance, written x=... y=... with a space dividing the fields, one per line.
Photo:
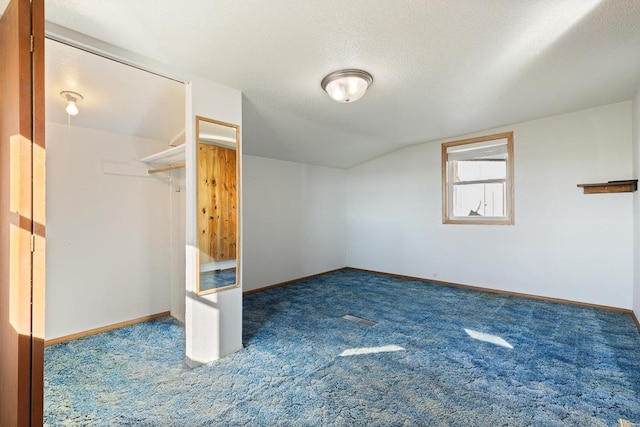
x=217 y=196
x=22 y=213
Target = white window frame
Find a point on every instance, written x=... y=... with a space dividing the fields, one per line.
x=448 y=184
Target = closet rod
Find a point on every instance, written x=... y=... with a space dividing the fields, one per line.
x=167 y=168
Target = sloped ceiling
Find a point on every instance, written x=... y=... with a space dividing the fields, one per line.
x=441 y=68
x=117 y=98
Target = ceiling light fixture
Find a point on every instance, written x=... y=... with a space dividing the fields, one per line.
x=347 y=85
x=72 y=99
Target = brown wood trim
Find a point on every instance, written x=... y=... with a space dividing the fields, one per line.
x=501 y=292
x=167 y=168
x=288 y=282
x=38 y=213
x=236 y=200
x=238 y=207
x=16 y=154
x=105 y=328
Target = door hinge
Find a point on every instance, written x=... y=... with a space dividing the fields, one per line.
x=31 y=43
x=33 y=243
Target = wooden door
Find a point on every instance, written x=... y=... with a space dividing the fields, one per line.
x=22 y=213
x=217 y=203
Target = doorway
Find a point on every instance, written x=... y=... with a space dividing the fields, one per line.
x=115 y=233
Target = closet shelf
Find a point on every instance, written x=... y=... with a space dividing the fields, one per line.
x=625 y=186
x=171 y=155
x=172 y=158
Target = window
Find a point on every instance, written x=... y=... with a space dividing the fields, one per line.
x=477 y=180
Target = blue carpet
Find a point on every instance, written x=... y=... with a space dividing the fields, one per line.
x=217 y=279
x=467 y=358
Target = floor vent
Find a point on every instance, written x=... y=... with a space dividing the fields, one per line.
x=357 y=319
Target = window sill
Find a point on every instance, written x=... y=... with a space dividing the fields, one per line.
x=479 y=221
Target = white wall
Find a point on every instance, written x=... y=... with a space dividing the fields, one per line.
x=294 y=221
x=107 y=236
x=636 y=205
x=565 y=244
x=213 y=323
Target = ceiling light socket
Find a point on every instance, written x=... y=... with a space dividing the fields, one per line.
x=72 y=99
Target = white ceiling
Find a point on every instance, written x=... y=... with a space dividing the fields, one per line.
x=441 y=68
x=117 y=98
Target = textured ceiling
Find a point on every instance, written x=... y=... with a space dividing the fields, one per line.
x=441 y=68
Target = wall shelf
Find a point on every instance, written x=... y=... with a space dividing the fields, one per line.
x=625 y=186
x=169 y=159
x=168 y=156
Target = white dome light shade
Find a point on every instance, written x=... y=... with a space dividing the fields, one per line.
x=347 y=85
x=72 y=99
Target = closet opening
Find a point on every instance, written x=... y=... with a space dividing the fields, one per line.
x=115 y=248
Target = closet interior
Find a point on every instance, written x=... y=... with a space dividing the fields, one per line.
x=115 y=194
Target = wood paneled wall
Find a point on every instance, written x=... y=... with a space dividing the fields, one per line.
x=217 y=203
